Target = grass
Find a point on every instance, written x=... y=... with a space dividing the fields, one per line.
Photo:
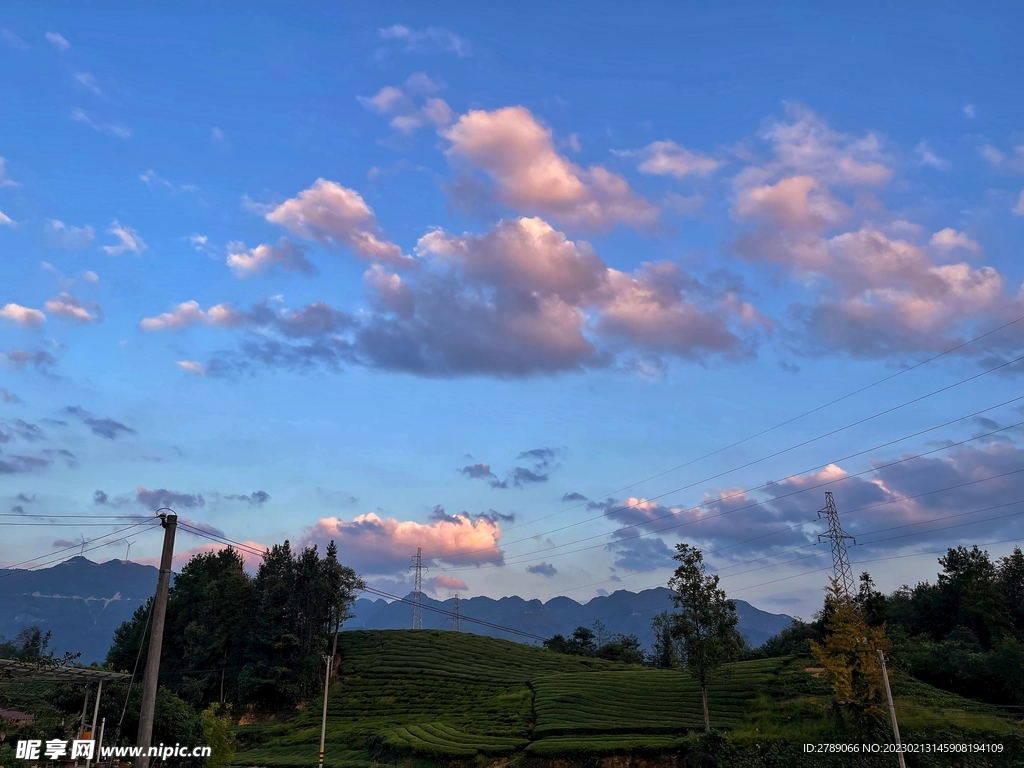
x=444 y=697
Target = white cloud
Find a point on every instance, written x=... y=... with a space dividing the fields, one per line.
x=90 y=277
x=80 y=116
x=1019 y=207
x=969 y=110
x=5 y=180
x=190 y=313
x=1013 y=163
x=58 y=40
x=69 y=237
x=152 y=180
x=89 y=82
x=5 y=220
x=129 y=240
x=13 y=40
x=246 y=262
x=26 y=317
x=949 y=238
x=411 y=105
x=666 y=158
x=426 y=40
x=191 y=366
x=68 y=307
x=926 y=156
x=335 y=215
x=216 y=134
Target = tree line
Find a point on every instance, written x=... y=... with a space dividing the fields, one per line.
x=246 y=640
x=964 y=633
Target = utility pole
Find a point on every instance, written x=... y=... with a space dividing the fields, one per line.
x=892 y=709
x=840 y=559
x=417 y=594
x=169 y=522
x=329 y=660
x=456 y=616
x=92 y=730
x=327 y=683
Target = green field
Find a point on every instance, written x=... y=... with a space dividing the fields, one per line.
x=436 y=697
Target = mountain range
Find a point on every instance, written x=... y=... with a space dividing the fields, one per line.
x=82 y=602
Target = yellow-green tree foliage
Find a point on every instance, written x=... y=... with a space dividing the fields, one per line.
x=849 y=653
x=217 y=736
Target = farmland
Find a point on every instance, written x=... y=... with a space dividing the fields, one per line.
x=437 y=697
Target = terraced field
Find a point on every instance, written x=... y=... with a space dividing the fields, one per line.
x=649 y=701
x=439 y=698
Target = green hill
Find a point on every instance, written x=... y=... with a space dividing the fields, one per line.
x=443 y=697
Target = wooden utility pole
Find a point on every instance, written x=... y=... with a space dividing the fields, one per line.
x=892 y=709
x=156 y=639
x=92 y=730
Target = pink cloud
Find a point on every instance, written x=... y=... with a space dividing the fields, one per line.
x=245 y=262
x=797 y=202
x=68 y=307
x=334 y=215
x=411 y=105
x=949 y=238
x=374 y=545
x=190 y=313
x=26 y=317
x=451 y=584
x=666 y=158
x=517 y=154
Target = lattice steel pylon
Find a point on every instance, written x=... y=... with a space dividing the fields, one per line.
x=417 y=593
x=456 y=616
x=840 y=560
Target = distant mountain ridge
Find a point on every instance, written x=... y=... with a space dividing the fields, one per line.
x=82 y=602
x=622 y=612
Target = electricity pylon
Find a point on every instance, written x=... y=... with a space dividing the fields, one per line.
x=417 y=594
x=455 y=615
x=840 y=560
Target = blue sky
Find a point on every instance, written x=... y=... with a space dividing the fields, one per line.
x=410 y=276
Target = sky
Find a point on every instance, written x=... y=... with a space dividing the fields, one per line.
x=542 y=290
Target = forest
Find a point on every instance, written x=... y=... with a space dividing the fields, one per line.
x=246 y=640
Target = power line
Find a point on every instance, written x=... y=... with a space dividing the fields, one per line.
x=790 y=448
x=74 y=546
x=866 y=508
x=388 y=595
x=798 y=417
x=675 y=514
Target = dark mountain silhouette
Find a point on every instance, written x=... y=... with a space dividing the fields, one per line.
x=79 y=601
x=622 y=612
x=82 y=603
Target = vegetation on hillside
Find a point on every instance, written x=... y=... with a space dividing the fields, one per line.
x=964 y=633
x=246 y=640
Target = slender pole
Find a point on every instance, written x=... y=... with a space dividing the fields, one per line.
x=156 y=639
x=95 y=716
x=892 y=709
x=85 y=711
x=323 y=721
x=99 y=742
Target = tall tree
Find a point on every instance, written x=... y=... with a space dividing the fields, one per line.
x=704 y=621
x=849 y=654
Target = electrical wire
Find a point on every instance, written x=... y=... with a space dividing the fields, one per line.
x=796 y=418
x=550 y=553
x=786 y=450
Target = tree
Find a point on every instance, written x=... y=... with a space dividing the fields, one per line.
x=217 y=736
x=1011 y=580
x=663 y=651
x=705 y=621
x=849 y=654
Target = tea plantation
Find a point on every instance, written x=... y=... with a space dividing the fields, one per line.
x=444 y=698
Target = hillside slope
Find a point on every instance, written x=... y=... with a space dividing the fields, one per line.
x=438 y=696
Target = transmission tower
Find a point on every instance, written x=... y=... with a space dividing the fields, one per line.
x=417 y=593
x=840 y=560
x=456 y=616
